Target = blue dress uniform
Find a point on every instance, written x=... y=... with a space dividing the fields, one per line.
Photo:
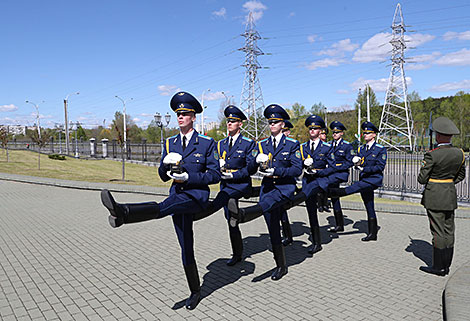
x=286 y=229
x=240 y=163
x=276 y=189
x=372 y=162
x=317 y=182
x=341 y=153
x=199 y=163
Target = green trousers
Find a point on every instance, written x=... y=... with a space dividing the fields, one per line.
x=442 y=228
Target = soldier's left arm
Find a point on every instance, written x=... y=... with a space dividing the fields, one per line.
x=461 y=173
x=295 y=168
x=250 y=167
x=381 y=161
x=212 y=173
x=426 y=169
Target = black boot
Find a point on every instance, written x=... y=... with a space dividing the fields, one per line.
x=336 y=192
x=372 y=236
x=194 y=286
x=128 y=213
x=447 y=259
x=438 y=265
x=237 y=247
x=339 y=222
x=281 y=266
x=213 y=206
x=242 y=215
x=316 y=240
x=287 y=234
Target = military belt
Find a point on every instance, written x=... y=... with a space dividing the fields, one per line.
x=435 y=180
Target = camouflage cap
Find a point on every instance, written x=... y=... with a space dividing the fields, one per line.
x=445 y=126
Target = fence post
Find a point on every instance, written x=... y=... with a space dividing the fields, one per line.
x=92 y=147
x=104 y=144
x=144 y=149
x=114 y=148
x=52 y=145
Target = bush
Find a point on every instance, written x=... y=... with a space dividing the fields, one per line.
x=57 y=157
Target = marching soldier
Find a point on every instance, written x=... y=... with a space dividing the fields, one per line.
x=370 y=161
x=322 y=197
x=343 y=153
x=191 y=160
x=279 y=160
x=442 y=168
x=286 y=229
x=237 y=164
x=315 y=156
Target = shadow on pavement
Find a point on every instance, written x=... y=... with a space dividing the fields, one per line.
x=420 y=249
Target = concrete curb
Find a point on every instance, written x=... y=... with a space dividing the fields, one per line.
x=163 y=191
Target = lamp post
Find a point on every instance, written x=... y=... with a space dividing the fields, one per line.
x=66 y=101
x=37 y=116
x=159 y=123
x=60 y=128
x=124 y=120
x=76 y=140
x=226 y=99
x=203 y=107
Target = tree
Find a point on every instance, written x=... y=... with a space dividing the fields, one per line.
x=41 y=140
x=81 y=133
x=4 y=138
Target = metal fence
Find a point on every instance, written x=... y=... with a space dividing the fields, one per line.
x=400 y=175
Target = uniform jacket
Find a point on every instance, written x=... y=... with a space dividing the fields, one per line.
x=320 y=163
x=441 y=169
x=200 y=161
x=240 y=161
x=373 y=161
x=286 y=163
x=340 y=160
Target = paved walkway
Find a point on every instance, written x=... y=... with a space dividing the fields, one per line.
x=60 y=260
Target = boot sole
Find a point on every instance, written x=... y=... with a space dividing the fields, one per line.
x=108 y=202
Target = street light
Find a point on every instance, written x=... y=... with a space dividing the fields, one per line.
x=66 y=100
x=226 y=99
x=159 y=123
x=203 y=107
x=76 y=141
x=124 y=120
x=37 y=116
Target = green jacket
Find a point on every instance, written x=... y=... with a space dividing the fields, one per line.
x=441 y=169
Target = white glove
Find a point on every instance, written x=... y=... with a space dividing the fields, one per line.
x=172 y=158
x=227 y=175
x=308 y=162
x=310 y=172
x=221 y=162
x=359 y=168
x=267 y=172
x=262 y=158
x=356 y=159
x=178 y=177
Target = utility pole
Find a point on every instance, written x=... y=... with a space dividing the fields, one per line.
x=124 y=120
x=368 y=102
x=251 y=100
x=359 y=107
x=396 y=122
x=67 y=122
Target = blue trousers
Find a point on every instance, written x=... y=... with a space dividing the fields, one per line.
x=367 y=195
x=272 y=215
x=311 y=204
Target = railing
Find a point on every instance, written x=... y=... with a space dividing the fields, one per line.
x=400 y=174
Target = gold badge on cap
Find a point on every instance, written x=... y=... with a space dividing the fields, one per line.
x=181 y=105
x=180 y=94
x=272 y=115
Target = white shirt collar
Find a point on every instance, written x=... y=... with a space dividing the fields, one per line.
x=234 y=138
x=370 y=144
x=277 y=138
x=315 y=142
x=188 y=137
x=337 y=142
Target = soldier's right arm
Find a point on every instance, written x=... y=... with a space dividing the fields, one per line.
x=162 y=169
x=426 y=169
x=251 y=165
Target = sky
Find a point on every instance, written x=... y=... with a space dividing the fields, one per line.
x=144 y=51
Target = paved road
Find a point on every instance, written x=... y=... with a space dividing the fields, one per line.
x=60 y=260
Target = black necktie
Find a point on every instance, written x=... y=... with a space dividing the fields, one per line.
x=367 y=148
x=230 y=144
x=274 y=143
x=313 y=146
x=184 y=143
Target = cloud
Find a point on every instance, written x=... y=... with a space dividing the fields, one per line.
x=210 y=96
x=456 y=35
x=323 y=63
x=256 y=8
x=339 y=48
x=426 y=58
x=458 y=58
x=448 y=86
x=422 y=61
x=8 y=108
x=412 y=66
x=312 y=38
x=145 y=115
x=221 y=13
x=377 y=85
x=343 y=91
x=378 y=47
x=167 y=90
